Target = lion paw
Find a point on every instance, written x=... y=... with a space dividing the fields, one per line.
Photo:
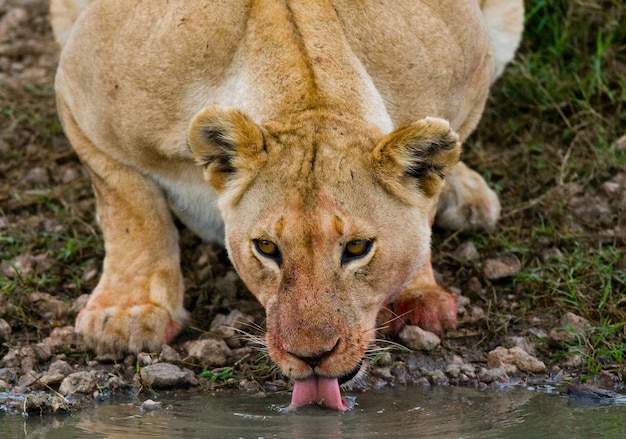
x=117 y=329
x=432 y=309
x=467 y=202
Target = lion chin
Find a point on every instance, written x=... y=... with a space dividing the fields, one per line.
x=312 y=138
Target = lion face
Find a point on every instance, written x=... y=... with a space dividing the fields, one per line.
x=326 y=221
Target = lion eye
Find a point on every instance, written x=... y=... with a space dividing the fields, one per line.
x=356 y=249
x=267 y=248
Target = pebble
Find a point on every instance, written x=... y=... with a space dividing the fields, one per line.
x=37 y=176
x=502 y=267
x=84 y=382
x=438 y=378
x=569 y=329
x=466 y=251
x=64 y=339
x=383 y=372
x=5 y=330
x=493 y=375
x=232 y=327
x=144 y=359
x=416 y=338
x=37 y=402
x=510 y=360
x=551 y=254
x=165 y=375
x=168 y=355
x=453 y=370
x=8 y=375
x=149 y=405
x=209 y=352
x=520 y=342
x=47 y=306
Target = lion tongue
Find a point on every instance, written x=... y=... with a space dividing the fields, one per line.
x=317 y=389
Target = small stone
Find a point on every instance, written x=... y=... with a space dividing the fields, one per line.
x=149 y=405
x=28 y=379
x=502 y=267
x=60 y=367
x=37 y=176
x=475 y=314
x=462 y=302
x=249 y=386
x=468 y=370
x=47 y=307
x=68 y=173
x=399 y=371
x=20 y=265
x=466 y=251
x=592 y=210
x=5 y=330
x=168 y=355
x=551 y=254
x=422 y=381
x=209 y=352
x=51 y=379
x=514 y=358
x=45 y=402
x=144 y=359
x=164 y=376
x=227 y=286
x=573 y=360
x=11 y=359
x=384 y=360
x=494 y=375
x=570 y=328
x=453 y=370
x=276 y=385
x=5 y=305
x=64 y=339
x=43 y=352
x=456 y=360
x=520 y=342
x=383 y=372
x=232 y=326
x=79 y=382
x=8 y=375
x=438 y=378
x=416 y=338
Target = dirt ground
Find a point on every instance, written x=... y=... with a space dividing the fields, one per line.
x=52 y=251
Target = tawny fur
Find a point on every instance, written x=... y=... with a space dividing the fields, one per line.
x=307 y=124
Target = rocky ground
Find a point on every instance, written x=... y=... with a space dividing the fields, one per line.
x=53 y=253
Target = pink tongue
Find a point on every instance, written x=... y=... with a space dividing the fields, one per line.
x=317 y=389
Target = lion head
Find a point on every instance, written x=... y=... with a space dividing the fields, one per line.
x=327 y=219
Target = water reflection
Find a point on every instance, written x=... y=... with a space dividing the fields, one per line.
x=414 y=412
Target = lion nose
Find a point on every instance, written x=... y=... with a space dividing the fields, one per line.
x=313 y=359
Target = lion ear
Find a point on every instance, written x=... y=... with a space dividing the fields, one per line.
x=227 y=143
x=418 y=155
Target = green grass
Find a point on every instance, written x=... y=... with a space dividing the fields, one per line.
x=552 y=121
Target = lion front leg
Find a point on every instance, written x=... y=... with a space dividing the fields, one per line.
x=422 y=303
x=138 y=302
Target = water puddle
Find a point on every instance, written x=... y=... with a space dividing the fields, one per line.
x=412 y=412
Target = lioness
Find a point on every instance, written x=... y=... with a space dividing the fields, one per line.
x=311 y=137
